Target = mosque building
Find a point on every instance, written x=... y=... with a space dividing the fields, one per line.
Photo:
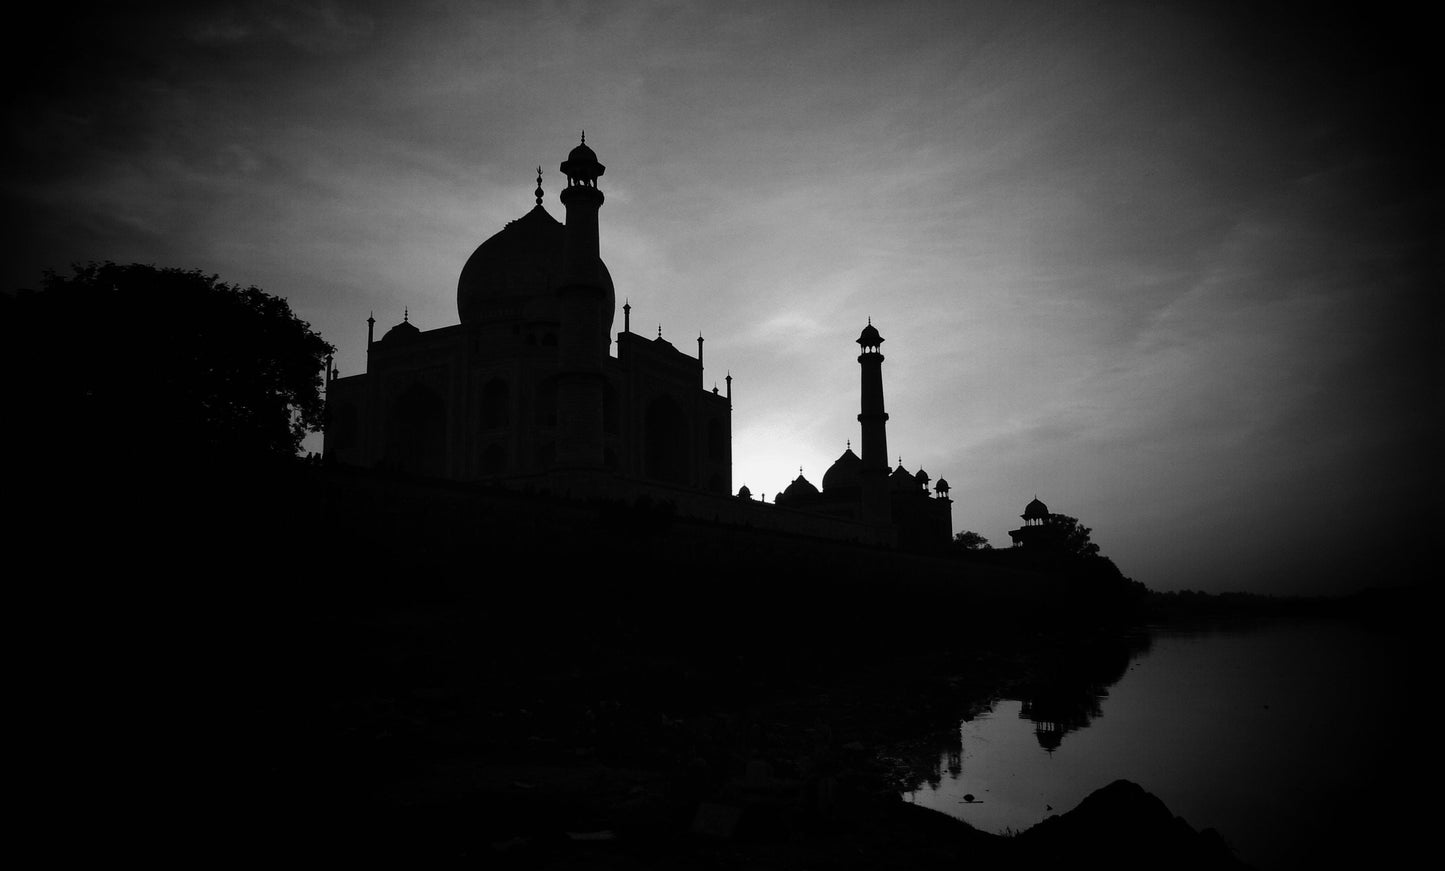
x=863 y=488
x=527 y=392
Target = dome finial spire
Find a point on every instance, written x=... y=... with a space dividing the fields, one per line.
x=406 y=315
x=539 y=185
x=584 y=137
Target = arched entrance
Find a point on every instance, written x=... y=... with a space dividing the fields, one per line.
x=665 y=447
x=416 y=428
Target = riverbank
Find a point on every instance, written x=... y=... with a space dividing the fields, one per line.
x=737 y=737
x=419 y=686
x=789 y=777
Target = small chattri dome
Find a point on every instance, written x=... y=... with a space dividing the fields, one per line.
x=902 y=479
x=1036 y=510
x=941 y=485
x=401 y=332
x=922 y=477
x=800 y=490
x=744 y=492
x=844 y=473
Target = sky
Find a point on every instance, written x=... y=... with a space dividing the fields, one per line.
x=1173 y=268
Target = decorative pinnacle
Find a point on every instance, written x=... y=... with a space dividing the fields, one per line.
x=584 y=137
x=406 y=315
x=539 y=186
x=659 y=331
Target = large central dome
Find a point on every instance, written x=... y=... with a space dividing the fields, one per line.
x=514 y=275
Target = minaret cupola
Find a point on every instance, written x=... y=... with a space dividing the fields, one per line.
x=870 y=340
x=581 y=166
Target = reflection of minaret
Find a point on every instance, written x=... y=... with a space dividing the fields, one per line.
x=582 y=293
x=874 y=470
x=1049 y=734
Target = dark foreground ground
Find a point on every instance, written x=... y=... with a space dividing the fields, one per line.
x=298 y=673
x=652 y=754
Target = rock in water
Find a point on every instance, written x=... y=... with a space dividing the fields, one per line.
x=1122 y=826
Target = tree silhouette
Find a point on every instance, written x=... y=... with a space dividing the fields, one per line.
x=969 y=540
x=1067 y=535
x=128 y=362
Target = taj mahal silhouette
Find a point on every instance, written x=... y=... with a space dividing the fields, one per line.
x=530 y=390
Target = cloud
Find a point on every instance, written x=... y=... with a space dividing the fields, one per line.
x=313 y=26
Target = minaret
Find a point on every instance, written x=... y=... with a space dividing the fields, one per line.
x=877 y=507
x=370 y=337
x=582 y=293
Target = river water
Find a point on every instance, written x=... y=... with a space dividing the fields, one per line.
x=1305 y=744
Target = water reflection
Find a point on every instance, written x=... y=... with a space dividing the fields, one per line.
x=1060 y=690
x=1224 y=727
x=1067 y=693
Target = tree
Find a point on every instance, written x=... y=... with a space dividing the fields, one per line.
x=1067 y=535
x=116 y=363
x=967 y=540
